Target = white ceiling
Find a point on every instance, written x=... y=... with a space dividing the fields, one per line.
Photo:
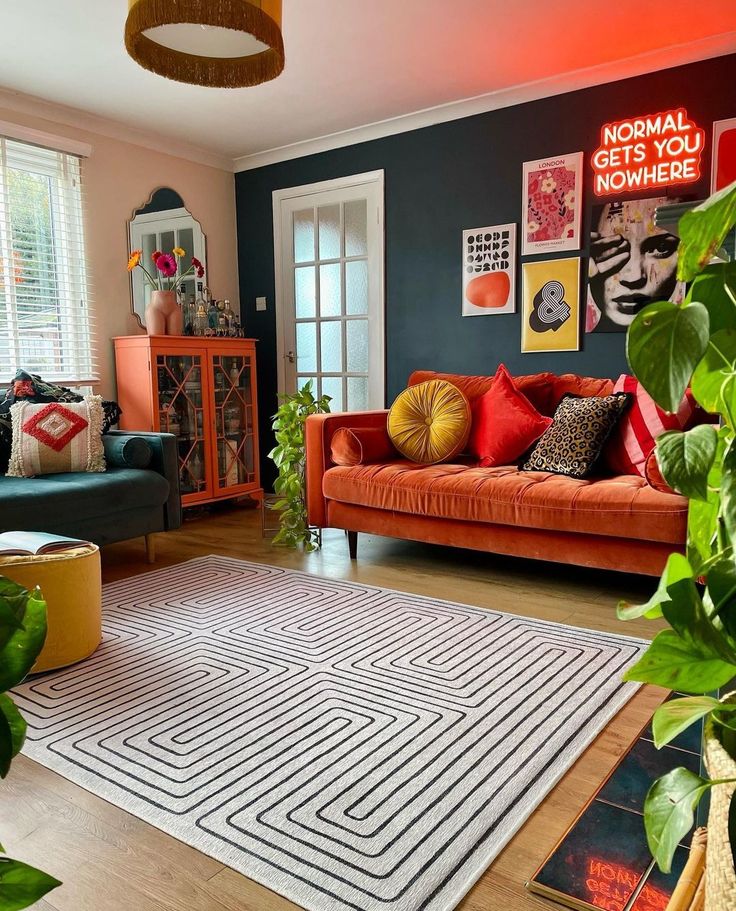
x=350 y=63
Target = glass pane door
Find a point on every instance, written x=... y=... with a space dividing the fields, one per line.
x=331 y=320
x=331 y=301
x=181 y=412
x=234 y=424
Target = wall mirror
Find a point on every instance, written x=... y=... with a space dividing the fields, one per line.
x=164 y=222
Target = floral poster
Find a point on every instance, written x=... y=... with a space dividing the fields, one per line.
x=552 y=204
x=551 y=295
x=489 y=270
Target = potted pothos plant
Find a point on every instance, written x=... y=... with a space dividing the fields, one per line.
x=289 y=457
x=22 y=634
x=669 y=348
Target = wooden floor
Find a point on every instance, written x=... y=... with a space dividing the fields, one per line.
x=112 y=861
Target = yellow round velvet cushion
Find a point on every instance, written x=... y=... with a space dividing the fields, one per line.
x=430 y=422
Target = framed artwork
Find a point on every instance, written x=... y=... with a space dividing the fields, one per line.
x=489 y=270
x=552 y=204
x=724 y=154
x=632 y=263
x=551 y=295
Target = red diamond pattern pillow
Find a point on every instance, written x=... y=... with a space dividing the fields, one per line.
x=635 y=435
x=57 y=437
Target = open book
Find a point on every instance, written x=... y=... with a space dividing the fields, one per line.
x=33 y=543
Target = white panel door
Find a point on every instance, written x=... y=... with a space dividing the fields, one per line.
x=329 y=279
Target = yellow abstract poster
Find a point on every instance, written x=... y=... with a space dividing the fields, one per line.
x=551 y=298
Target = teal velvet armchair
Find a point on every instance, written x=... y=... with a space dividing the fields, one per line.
x=115 y=505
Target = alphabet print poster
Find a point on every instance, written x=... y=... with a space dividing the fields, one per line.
x=551 y=294
x=552 y=204
x=489 y=270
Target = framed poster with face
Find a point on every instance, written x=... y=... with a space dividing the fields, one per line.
x=552 y=204
x=489 y=270
x=724 y=154
x=551 y=294
x=632 y=263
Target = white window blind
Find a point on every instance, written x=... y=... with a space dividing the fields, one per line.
x=45 y=309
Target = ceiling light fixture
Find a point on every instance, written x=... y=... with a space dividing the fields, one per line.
x=218 y=43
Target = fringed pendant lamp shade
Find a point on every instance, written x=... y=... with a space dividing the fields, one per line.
x=219 y=43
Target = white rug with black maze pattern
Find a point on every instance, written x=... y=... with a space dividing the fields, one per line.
x=349 y=747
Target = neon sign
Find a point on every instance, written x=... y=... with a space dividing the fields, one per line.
x=656 y=150
x=610 y=886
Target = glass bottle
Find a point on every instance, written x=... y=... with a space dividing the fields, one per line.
x=212 y=314
x=229 y=314
x=184 y=422
x=173 y=421
x=232 y=418
x=200 y=320
x=190 y=313
x=196 y=468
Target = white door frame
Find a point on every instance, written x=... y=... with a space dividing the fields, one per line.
x=376 y=327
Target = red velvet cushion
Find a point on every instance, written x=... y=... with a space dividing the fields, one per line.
x=362 y=446
x=634 y=437
x=505 y=423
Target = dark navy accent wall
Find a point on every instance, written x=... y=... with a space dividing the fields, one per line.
x=443 y=179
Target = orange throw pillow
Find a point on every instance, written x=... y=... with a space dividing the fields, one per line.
x=361 y=446
x=654 y=476
x=430 y=422
x=505 y=423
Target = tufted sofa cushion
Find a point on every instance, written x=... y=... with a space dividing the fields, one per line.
x=624 y=507
x=47 y=501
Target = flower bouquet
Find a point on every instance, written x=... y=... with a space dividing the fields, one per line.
x=163 y=314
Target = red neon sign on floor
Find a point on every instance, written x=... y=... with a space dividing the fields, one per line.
x=656 y=150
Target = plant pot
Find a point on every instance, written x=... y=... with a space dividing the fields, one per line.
x=720 y=878
x=163 y=314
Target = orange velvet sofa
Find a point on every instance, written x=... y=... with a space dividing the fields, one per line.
x=607 y=522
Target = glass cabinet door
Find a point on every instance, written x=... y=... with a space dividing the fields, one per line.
x=234 y=430
x=181 y=412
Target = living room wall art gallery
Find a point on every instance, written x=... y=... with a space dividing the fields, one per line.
x=317 y=594
x=632 y=258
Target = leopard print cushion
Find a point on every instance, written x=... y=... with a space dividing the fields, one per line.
x=574 y=441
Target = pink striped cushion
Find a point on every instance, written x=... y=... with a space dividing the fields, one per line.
x=635 y=435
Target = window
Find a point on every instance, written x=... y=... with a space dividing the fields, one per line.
x=45 y=318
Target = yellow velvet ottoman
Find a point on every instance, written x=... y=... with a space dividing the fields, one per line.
x=71 y=584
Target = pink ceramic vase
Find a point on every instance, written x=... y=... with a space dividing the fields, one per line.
x=163 y=314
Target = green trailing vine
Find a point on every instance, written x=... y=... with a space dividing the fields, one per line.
x=289 y=457
x=22 y=634
x=671 y=347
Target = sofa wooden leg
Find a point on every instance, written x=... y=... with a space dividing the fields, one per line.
x=150 y=548
x=353 y=544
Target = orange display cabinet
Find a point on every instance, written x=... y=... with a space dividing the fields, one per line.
x=203 y=390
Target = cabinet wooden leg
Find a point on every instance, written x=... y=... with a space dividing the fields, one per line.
x=353 y=544
x=150 y=548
